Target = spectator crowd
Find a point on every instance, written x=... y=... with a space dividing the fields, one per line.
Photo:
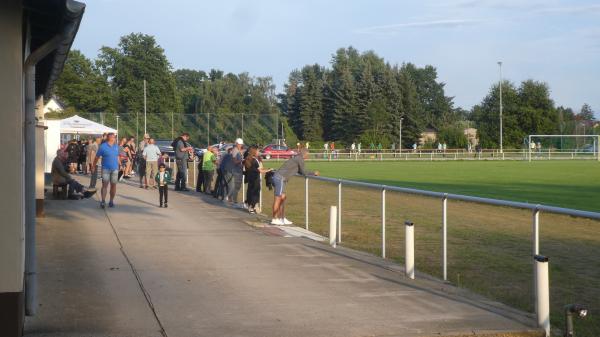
x=222 y=170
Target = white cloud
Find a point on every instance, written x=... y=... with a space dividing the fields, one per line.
x=586 y=9
x=393 y=28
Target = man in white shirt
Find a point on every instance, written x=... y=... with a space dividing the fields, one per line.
x=151 y=154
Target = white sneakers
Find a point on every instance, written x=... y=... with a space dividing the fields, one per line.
x=281 y=222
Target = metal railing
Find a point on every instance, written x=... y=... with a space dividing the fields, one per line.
x=542 y=314
x=451 y=154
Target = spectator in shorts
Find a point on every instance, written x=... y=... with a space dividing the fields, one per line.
x=72 y=155
x=290 y=168
x=162 y=178
x=109 y=152
x=151 y=154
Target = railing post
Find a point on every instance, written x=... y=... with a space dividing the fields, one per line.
x=535 y=238
x=445 y=237
x=339 y=212
x=306 y=202
x=383 y=222
x=536 y=232
x=409 y=254
x=332 y=226
x=542 y=292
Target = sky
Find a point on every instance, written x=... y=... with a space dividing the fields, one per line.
x=555 y=41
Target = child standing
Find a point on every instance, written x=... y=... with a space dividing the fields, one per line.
x=163 y=177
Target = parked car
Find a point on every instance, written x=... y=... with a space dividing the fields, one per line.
x=165 y=147
x=277 y=152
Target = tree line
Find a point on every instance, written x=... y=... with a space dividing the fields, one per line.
x=358 y=98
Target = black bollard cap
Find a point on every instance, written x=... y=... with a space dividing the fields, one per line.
x=408 y=223
x=540 y=258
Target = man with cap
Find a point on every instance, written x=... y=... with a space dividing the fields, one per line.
x=235 y=172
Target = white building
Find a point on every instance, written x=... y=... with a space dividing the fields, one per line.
x=53 y=106
x=35 y=38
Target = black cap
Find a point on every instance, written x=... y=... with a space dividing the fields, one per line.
x=408 y=223
x=540 y=258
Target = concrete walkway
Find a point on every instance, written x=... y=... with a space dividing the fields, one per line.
x=199 y=269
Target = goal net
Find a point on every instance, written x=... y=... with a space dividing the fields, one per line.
x=566 y=145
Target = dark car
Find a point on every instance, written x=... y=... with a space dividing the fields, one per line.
x=277 y=152
x=165 y=147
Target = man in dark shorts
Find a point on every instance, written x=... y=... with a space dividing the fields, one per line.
x=111 y=165
x=290 y=168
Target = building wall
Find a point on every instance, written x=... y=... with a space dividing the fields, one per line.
x=12 y=229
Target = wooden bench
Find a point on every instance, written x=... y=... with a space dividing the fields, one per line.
x=63 y=194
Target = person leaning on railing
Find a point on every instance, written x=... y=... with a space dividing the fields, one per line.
x=290 y=168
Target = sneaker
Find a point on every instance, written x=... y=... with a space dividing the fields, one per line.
x=276 y=222
x=161 y=205
x=88 y=194
x=111 y=204
x=165 y=206
x=102 y=204
x=286 y=221
x=251 y=211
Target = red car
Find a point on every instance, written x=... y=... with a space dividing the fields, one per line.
x=277 y=152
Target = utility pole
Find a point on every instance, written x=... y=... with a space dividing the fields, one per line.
x=145 y=131
x=117 y=126
x=242 y=125
x=500 y=67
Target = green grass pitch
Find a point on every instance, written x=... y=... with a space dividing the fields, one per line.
x=571 y=184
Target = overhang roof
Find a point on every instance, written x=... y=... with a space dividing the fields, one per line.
x=48 y=18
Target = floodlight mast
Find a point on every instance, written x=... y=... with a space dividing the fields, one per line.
x=501 y=107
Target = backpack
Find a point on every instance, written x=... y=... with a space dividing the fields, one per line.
x=174 y=143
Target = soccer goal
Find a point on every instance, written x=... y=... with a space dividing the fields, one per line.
x=563 y=147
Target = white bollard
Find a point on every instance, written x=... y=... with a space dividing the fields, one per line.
x=243 y=189
x=542 y=293
x=333 y=226
x=339 y=212
x=195 y=174
x=410 y=249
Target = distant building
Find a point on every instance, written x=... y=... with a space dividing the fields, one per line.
x=471 y=134
x=428 y=136
x=431 y=136
x=53 y=105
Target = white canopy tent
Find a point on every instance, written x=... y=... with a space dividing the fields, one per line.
x=75 y=125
